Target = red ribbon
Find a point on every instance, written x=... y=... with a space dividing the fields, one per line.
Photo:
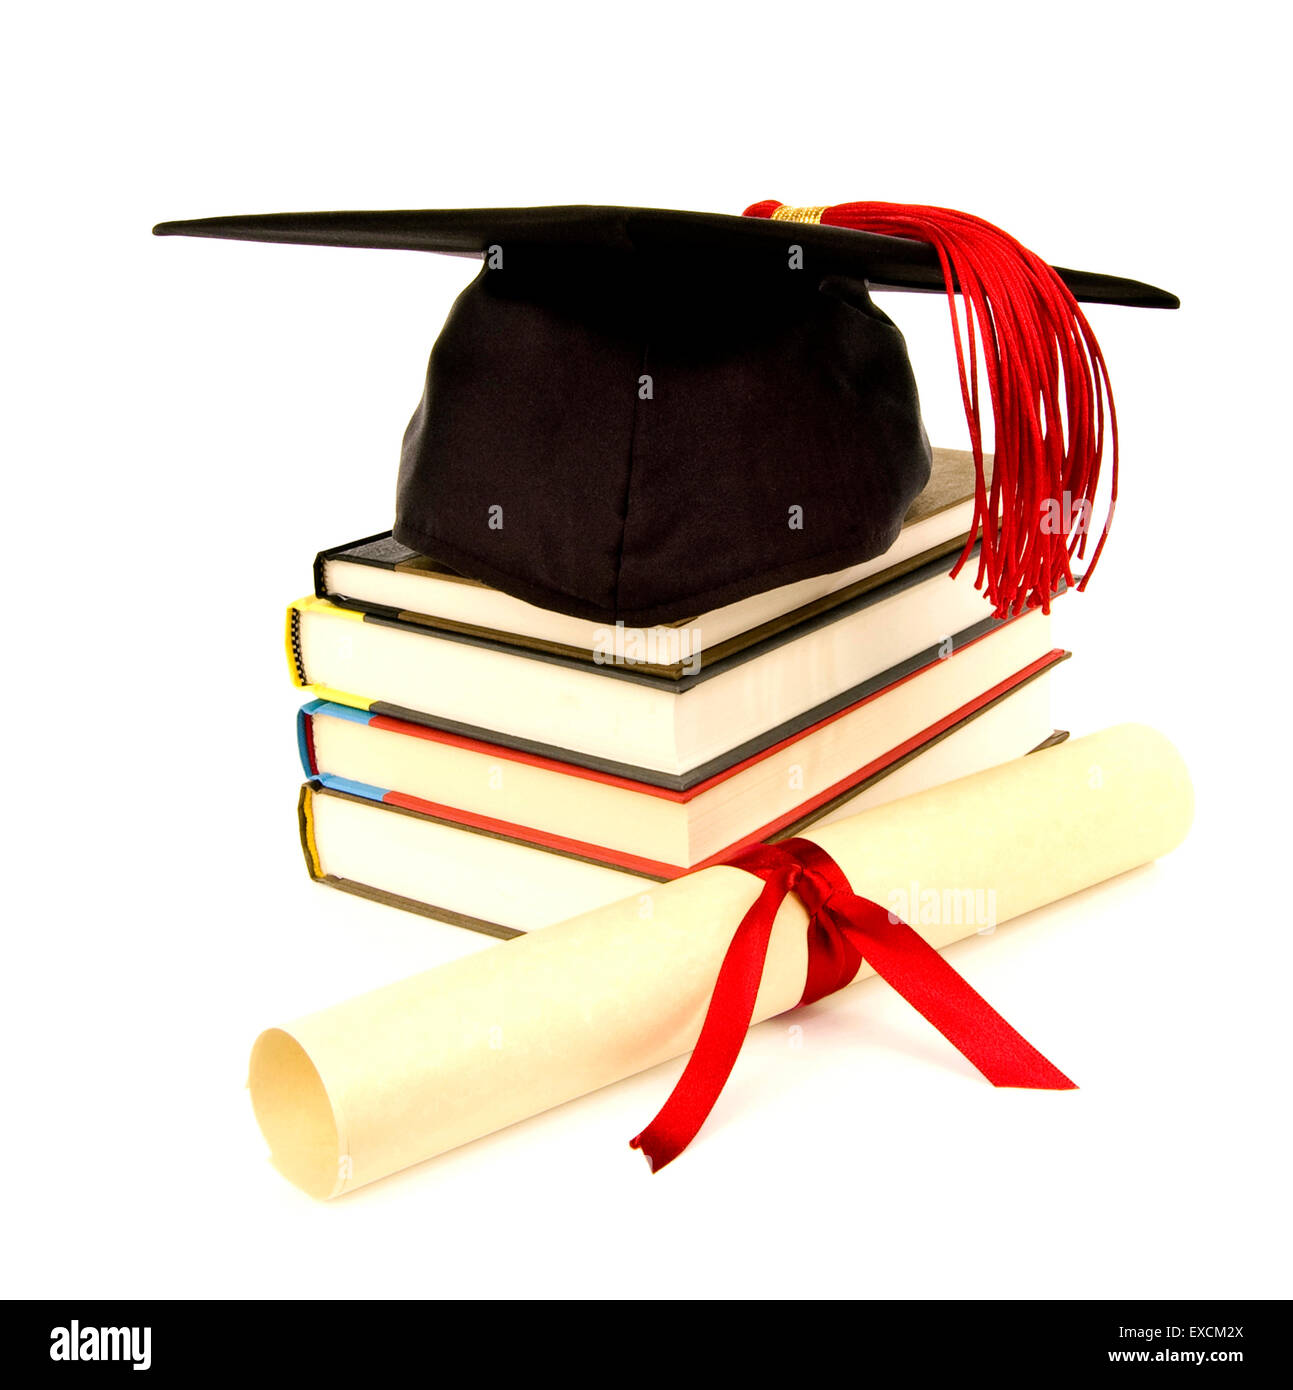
x=843 y=931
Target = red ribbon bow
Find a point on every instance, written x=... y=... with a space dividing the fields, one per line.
x=843 y=931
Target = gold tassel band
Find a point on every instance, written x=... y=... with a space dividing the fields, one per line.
x=789 y=214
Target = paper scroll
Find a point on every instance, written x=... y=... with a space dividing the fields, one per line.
x=396 y=1076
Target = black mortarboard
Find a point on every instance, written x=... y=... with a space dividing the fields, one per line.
x=640 y=415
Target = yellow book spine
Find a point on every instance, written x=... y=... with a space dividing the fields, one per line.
x=305 y=818
x=296 y=661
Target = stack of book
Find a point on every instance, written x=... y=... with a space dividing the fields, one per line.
x=499 y=766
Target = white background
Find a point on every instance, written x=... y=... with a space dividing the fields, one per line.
x=187 y=422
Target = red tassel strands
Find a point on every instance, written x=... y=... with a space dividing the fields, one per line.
x=1044 y=370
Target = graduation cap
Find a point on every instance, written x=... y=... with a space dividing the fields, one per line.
x=639 y=415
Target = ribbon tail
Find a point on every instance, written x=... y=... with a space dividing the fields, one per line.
x=727 y=1021
x=907 y=962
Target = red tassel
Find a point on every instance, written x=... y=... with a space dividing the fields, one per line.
x=1044 y=369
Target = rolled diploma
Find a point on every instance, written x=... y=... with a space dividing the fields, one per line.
x=396 y=1076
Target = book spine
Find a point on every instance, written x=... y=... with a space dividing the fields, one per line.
x=305 y=737
x=296 y=658
x=343 y=552
x=310 y=849
x=305 y=822
x=295 y=663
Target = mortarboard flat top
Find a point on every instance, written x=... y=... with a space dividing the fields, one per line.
x=886 y=262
